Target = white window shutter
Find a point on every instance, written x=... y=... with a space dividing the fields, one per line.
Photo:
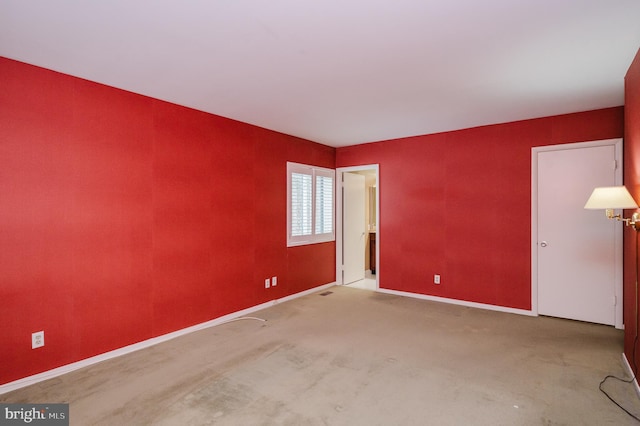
x=324 y=204
x=310 y=204
x=301 y=204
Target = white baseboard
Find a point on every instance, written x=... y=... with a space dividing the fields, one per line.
x=459 y=302
x=627 y=367
x=30 y=380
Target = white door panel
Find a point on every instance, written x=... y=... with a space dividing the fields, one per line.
x=575 y=247
x=354 y=234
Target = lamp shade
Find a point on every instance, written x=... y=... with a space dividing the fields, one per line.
x=611 y=197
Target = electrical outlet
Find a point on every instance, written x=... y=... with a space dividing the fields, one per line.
x=436 y=279
x=37 y=339
x=274 y=281
x=267 y=283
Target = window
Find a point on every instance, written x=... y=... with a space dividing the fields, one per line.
x=310 y=204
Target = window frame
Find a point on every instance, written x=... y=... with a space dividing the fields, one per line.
x=313 y=237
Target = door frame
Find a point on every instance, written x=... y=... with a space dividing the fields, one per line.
x=339 y=233
x=618 y=292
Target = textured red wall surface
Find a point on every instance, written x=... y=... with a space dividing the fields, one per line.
x=632 y=182
x=123 y=218
x=458 y=204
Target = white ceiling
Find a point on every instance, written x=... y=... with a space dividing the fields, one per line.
x=341 y=72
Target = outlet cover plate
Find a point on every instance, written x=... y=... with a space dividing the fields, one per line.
x=37 y=339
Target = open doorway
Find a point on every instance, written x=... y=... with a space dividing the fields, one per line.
x=357 y=227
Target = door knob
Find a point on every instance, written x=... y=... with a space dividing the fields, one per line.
x=543 y=244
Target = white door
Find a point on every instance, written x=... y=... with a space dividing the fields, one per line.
x=353 y=227
x=576 y=248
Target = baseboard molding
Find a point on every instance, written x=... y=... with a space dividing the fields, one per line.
x=459 y=302
x=627 y=367
x=30 y=380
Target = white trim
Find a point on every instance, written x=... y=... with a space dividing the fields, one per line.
x=30 y=380
x=459 y=302
x=617 y=143
x=627 y=367
x=339 y=172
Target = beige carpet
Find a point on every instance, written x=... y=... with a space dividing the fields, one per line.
x=356 y=357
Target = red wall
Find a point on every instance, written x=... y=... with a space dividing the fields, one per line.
x=459 y=204
x=632 y=182
x=123 y=218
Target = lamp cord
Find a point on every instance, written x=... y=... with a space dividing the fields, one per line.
x=635 y=345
